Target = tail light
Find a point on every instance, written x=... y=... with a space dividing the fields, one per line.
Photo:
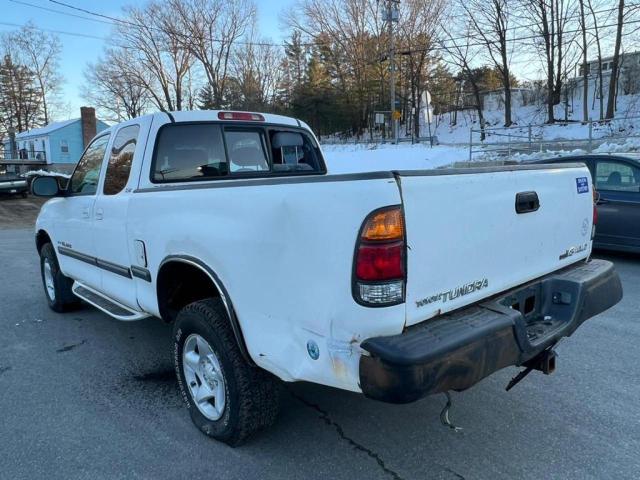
x=380 y=259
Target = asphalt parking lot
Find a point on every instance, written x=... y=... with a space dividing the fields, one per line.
x=17 y=212
x=85 y=396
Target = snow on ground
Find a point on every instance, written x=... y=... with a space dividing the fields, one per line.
x=371 y=158
x=627 y=122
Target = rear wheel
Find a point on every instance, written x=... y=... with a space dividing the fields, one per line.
x=57 y=287
x=227 y=398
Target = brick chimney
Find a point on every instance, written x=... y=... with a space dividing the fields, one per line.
x=88 y=122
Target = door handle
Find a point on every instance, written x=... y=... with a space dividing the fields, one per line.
x=527 y=202
x=99 y=214
x=85 y=212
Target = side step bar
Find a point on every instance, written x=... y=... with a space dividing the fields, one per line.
x=107 y=305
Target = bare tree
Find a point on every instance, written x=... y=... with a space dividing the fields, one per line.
x=461 y=54
x=490 y=24
x=209 y=30
x=116 y=94
x=40 y=52
x=596 y=33
x=419 y=24
x=153 y=42
x=585 y=64
x=256 y=75
x=552 y=18
x=350 y=37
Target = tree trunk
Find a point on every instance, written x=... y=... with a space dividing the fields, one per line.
x=585 y=73
x=506 y=80
x=550 y=93
x=476 y=94
x=507 y=104
x=613 y=83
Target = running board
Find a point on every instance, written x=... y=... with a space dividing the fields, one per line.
x=107 y=305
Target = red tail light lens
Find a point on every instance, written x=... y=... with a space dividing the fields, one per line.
x=379 y=263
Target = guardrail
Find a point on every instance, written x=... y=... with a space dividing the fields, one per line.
x=433 y=140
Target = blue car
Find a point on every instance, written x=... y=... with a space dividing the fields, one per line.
x=617 y=183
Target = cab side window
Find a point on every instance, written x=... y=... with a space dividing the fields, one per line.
x=617 y=176
x=85 y=178
x=294 y=151
x=119 y=166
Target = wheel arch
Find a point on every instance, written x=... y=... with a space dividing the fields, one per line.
x=42 y=238
x=186 y=263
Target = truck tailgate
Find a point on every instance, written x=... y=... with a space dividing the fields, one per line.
x=466 y=241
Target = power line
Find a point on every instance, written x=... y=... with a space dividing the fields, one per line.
x=513 y=39
x=118 y=21
x=68 y=14
x=412 y=49
x=61 y=32
x=537 y=24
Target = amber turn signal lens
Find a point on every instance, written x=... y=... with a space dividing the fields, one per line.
x=384 y=226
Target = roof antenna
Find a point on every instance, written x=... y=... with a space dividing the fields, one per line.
x=444 y=415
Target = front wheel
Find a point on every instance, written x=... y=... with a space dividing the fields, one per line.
x=57 y=287
x=227 y=398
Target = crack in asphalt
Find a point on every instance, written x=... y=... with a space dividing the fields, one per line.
x=453 y=472
x=66 y=348
x=324 y=415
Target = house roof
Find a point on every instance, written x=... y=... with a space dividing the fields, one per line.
x=35 y=132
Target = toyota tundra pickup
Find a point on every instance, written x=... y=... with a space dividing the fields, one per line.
x=397 y=284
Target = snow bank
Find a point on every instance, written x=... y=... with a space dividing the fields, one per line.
x=371 y=158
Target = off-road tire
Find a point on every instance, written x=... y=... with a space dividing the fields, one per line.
x=64 y=300
x=252 y=394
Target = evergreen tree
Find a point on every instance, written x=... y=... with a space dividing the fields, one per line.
x=20 y=99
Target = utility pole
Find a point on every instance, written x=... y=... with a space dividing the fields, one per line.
x=390 y=16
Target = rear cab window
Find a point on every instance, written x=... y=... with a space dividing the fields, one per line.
x=209 y=151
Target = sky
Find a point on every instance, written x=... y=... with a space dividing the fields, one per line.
x=78 y=51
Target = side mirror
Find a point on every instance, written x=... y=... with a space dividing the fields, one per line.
x=46 y=187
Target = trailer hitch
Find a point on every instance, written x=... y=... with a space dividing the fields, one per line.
x=544 y=362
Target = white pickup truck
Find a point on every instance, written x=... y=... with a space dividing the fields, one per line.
x=396 y=284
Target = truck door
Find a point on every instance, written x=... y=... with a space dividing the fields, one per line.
x=618 y=183
x=74 y=240
x=113 y=247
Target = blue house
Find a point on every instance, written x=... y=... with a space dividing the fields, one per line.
x=57 y=146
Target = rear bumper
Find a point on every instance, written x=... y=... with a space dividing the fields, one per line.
x=457 y=350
